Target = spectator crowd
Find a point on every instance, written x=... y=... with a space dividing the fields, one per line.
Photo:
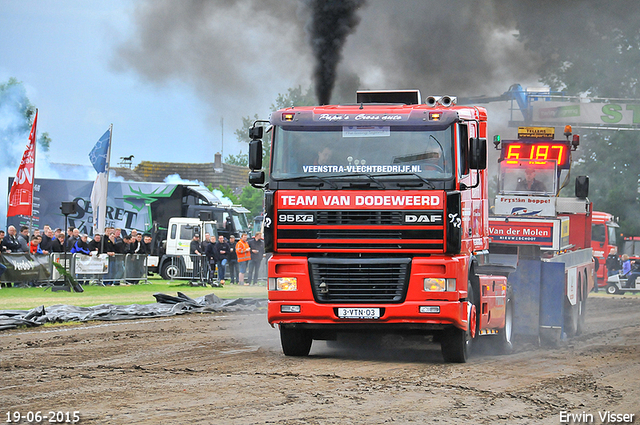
x=239 y=259
x=48 y=241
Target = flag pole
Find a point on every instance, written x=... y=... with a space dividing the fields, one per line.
x=107 y=186
x=35 y=142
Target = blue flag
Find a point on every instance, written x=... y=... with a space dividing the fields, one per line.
x=98 y=154
x=98 y=157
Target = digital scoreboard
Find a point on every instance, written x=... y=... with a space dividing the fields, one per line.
x=538 y=149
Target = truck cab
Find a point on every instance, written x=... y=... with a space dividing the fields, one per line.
x=376 y=215
x=177 y=262
x=604 y=244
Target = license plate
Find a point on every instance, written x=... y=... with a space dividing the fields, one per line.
x=359 y=313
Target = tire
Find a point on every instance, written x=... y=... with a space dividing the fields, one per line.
x=583 y=310
x=455 y=346
x=169 y=271
x=612 y=289
x=295 y=342
x=456 y=343
x=571 y=318
x=505 y=336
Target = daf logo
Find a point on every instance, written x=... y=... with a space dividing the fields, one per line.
x=422 y=218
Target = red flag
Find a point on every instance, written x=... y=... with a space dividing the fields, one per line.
x=20 y=197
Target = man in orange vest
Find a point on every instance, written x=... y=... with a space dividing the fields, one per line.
x=244 y=255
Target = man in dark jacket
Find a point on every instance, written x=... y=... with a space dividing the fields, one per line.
x=257 y=252
x=96 y=244
x=10 y=241
x=47 y=240
x=221 y=256
x=233 y=260
x=58 y=243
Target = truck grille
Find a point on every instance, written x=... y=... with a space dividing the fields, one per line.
x=382 y=218
x=361 y=231
x=336 y=280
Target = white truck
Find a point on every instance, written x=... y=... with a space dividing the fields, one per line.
x=176 y=261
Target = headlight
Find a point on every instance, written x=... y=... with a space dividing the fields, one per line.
x=283 y=283
x=433 y=284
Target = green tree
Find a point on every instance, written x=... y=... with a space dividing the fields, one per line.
x=252 y=199
x=242 y=159
x=593 y=49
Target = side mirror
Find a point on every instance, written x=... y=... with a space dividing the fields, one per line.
x=256 y=178
x=582 y=187
x=255 y=153
x=478 y=153
x=256 y=133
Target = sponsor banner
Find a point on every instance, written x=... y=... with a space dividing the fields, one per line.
x=23 y=267
x=89 y=264
x=587 y=113
x=525 y=205
x=129 y=204
x=418 y=200
x=515 y=232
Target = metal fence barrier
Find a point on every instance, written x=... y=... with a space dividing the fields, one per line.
x=37 y=270
x=195 y=268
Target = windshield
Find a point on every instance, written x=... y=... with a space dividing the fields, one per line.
x=345 y=150
x=631 y=248
x=530 y=177
x=240 y=222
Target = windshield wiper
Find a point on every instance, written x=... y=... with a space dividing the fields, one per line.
x=422 y=179
x=369 y=176
x=319 y=183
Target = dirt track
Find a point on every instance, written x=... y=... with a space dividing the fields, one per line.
x=228 y=369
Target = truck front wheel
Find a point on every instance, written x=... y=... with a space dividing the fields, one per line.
x=169 y=271
x=295 y=342
x=456 y=343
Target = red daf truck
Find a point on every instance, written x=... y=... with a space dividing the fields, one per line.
x=377 y=217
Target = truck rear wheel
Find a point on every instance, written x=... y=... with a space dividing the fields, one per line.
x=295 y=342
x=571 y=318
x=583 y=310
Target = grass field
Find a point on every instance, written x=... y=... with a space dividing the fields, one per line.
x=28 y=298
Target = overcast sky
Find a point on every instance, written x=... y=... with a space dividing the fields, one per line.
x=63 y=51
x=166 y=72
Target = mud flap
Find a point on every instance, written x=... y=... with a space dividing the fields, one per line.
x=552 y=295
x=525 y=283
x=538 y=296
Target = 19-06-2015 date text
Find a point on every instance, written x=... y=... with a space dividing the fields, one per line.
x=53 y=417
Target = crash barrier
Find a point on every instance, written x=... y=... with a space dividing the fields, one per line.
x=38 y=269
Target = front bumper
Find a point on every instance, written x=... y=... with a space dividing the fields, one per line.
x=407 y=315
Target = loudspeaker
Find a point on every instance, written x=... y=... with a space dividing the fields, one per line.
x=582 y=187
x=68 y=208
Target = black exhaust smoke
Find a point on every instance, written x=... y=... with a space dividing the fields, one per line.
x=331 y=22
